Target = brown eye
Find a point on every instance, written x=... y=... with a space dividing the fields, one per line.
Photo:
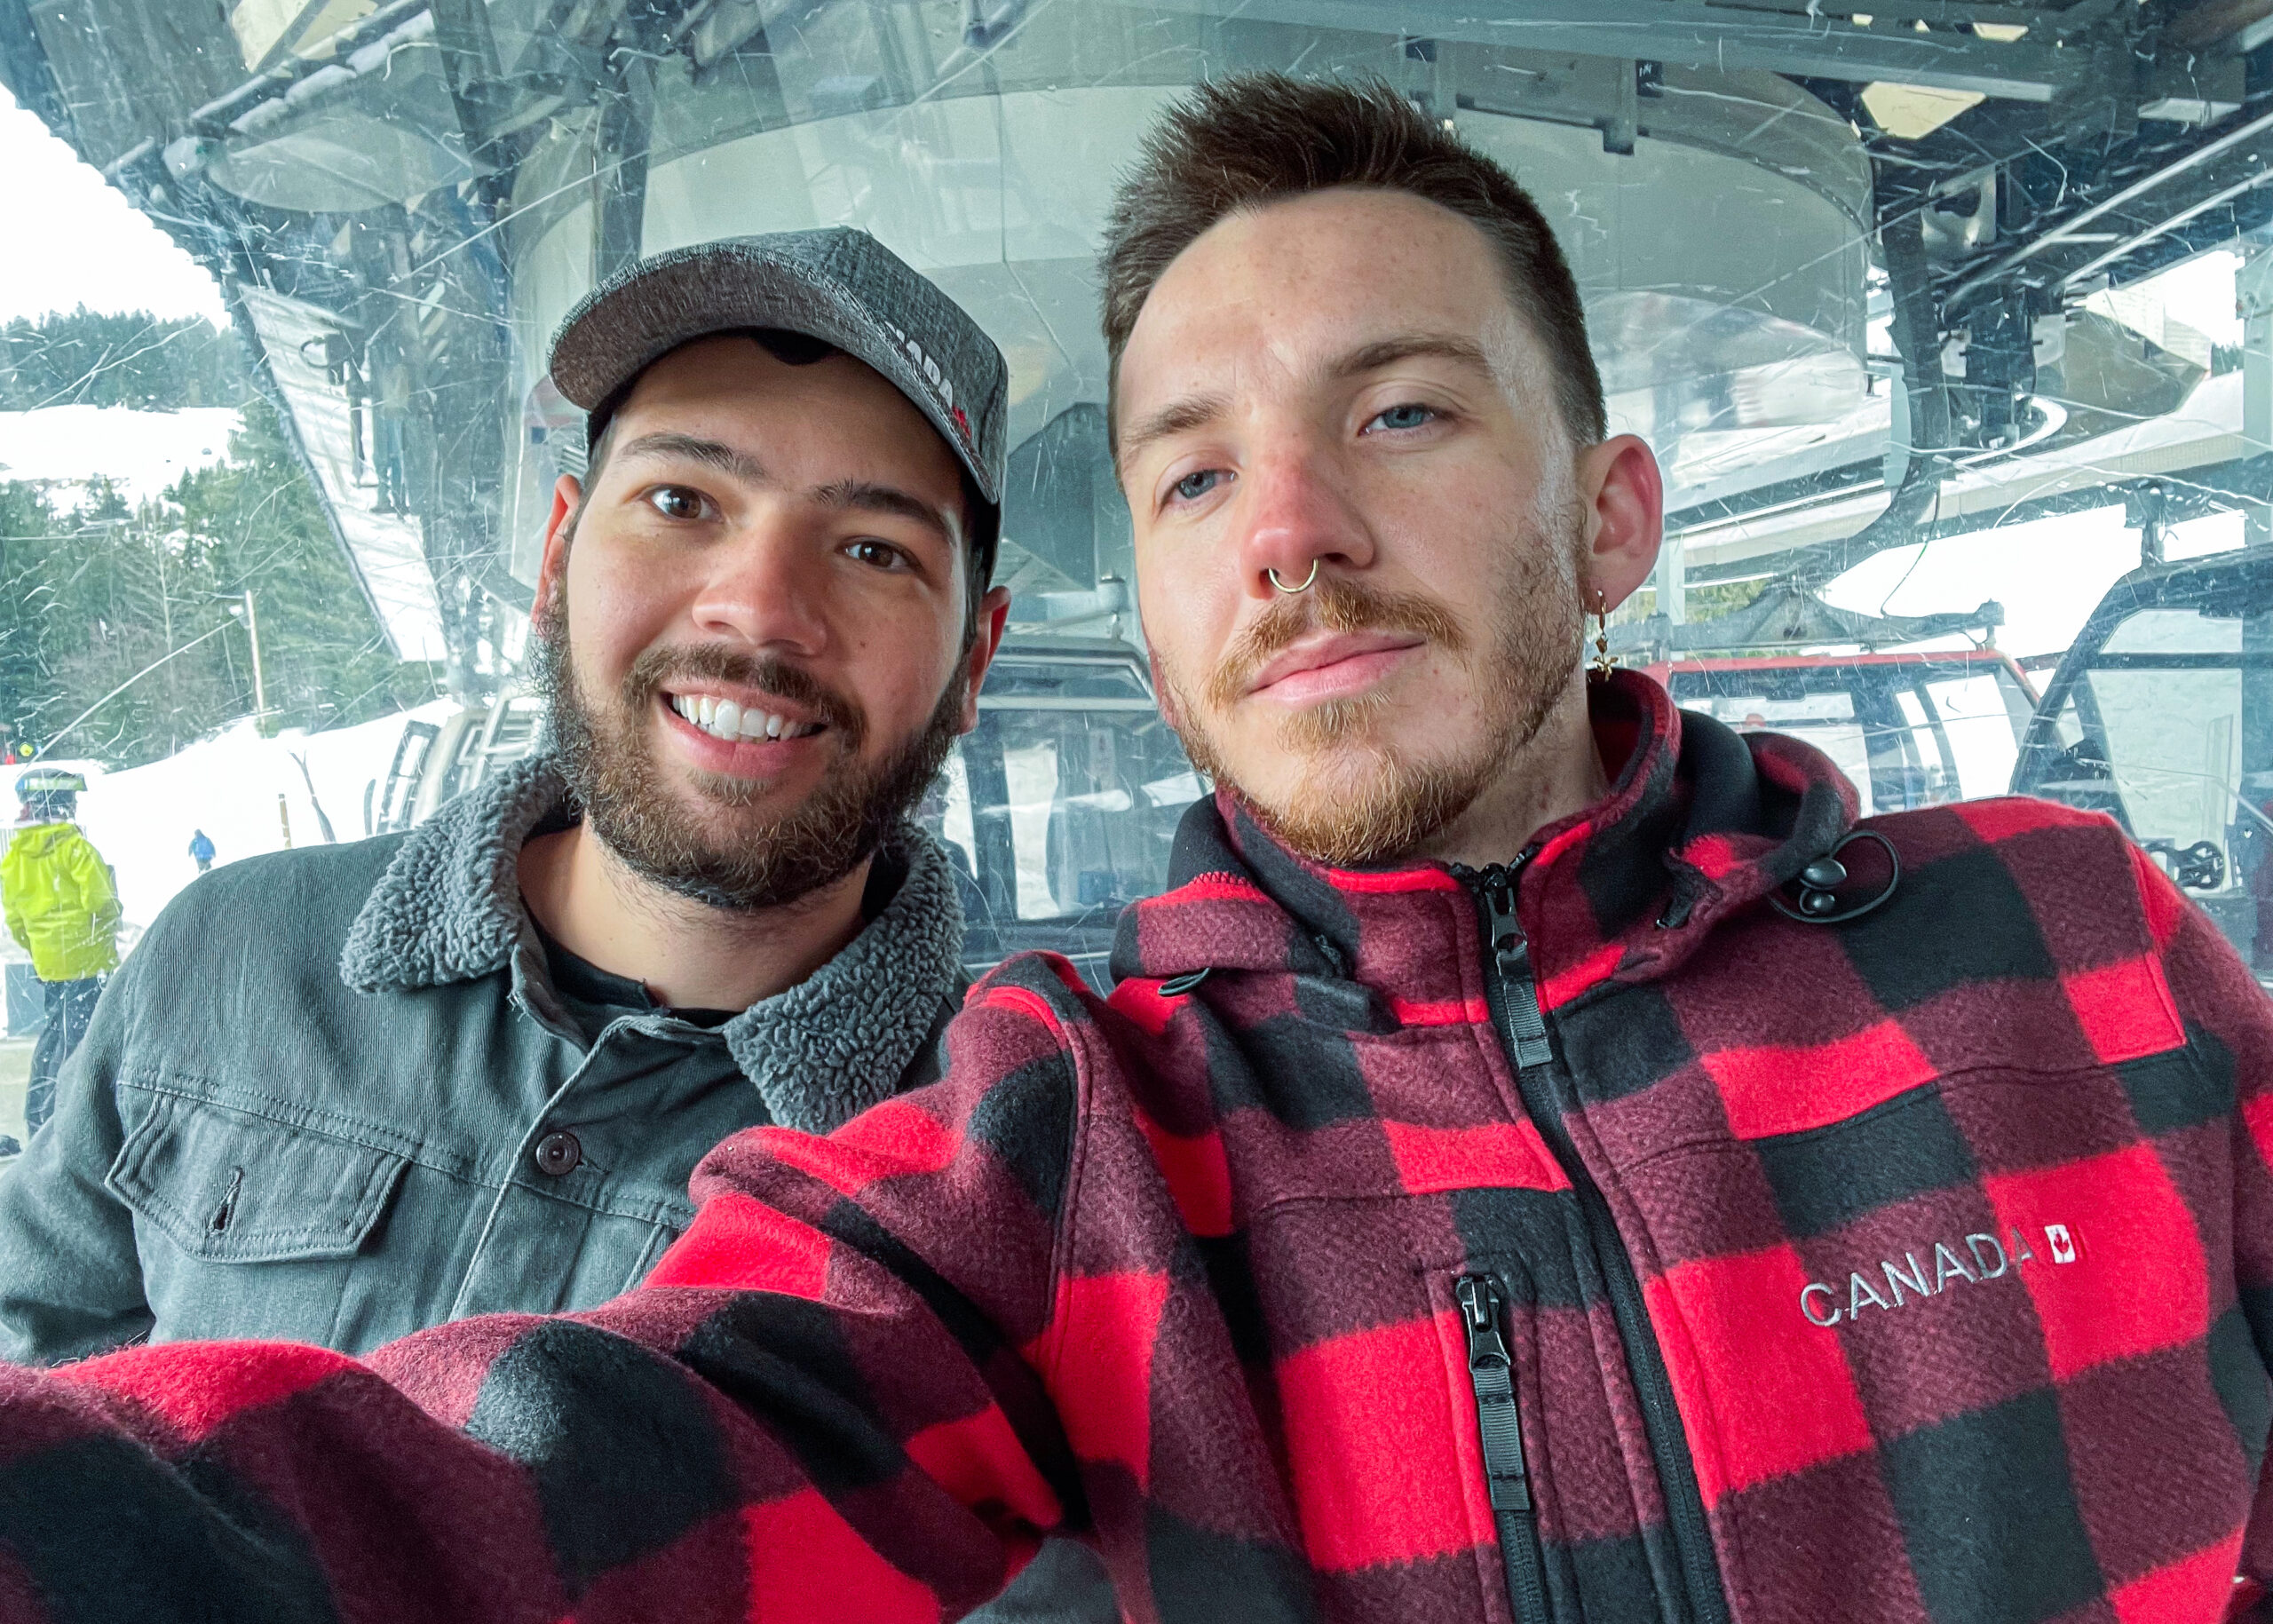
x=877 y=555
x=675 y=502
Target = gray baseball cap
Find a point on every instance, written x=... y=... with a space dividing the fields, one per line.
x=838 y=285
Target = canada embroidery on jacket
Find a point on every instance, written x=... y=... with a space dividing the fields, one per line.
x=1947 y=1265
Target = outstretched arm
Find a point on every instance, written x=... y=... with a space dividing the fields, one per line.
x=824 y=1405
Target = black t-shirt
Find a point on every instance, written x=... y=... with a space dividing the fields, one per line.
x=594 y=997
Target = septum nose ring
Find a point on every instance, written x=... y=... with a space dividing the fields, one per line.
x=1291 y=591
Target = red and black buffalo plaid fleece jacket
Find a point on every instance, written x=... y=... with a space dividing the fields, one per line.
x=1584 y=1239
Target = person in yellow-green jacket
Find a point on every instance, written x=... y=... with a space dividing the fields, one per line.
x=62 y=908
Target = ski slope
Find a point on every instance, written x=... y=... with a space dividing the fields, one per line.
x=246 y=793
x=62 y=448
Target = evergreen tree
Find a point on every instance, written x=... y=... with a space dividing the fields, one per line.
x=325 y=659
x=85 y=358
x=27 y=602
x=91 y=599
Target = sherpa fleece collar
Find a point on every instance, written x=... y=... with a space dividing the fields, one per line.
x=1699 y=822
x=449 y=908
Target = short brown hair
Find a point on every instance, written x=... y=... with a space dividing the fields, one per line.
x=1241 y=143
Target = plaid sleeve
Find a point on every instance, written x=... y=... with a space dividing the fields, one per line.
x=820 y=1406
x=2230 y=1025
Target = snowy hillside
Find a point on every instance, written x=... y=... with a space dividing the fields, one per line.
x=141 y=819
x=62 y=448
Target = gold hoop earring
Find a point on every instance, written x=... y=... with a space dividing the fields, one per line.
x=1604 y=662
x=1291 y=591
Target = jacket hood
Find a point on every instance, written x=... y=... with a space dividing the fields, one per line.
x=449 y=908
x=1700 y=823
x=38 y=839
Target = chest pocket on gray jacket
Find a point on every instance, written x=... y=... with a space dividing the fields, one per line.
x=232 y=1186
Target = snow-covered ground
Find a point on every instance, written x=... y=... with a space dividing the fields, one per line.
x=142 y=452
x=230 y=786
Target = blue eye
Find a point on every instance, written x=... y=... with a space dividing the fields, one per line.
x=1408 y=416
x=1194 y=486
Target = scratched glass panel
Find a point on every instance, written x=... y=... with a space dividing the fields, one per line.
x=1947 y=319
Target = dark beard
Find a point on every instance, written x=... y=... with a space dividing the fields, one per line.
x=768 y=861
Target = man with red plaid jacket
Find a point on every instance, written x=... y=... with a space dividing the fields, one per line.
x=1543 y=1161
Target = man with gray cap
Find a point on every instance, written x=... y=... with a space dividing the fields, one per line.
x=339 y=1094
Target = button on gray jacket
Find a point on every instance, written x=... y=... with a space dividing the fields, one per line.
x=309 y=1104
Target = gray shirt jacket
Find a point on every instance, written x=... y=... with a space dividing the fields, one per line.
x=323 y=1099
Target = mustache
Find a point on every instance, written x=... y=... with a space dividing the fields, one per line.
x=656 y=668
x=1332 y=604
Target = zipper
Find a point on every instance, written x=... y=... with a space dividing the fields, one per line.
x=1492 y=1373
x=1513 y=992
x=1520 y=1017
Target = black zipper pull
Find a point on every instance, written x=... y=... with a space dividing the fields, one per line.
x=1498 y=1423
x=1510 y=951
x=1493 y=1374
